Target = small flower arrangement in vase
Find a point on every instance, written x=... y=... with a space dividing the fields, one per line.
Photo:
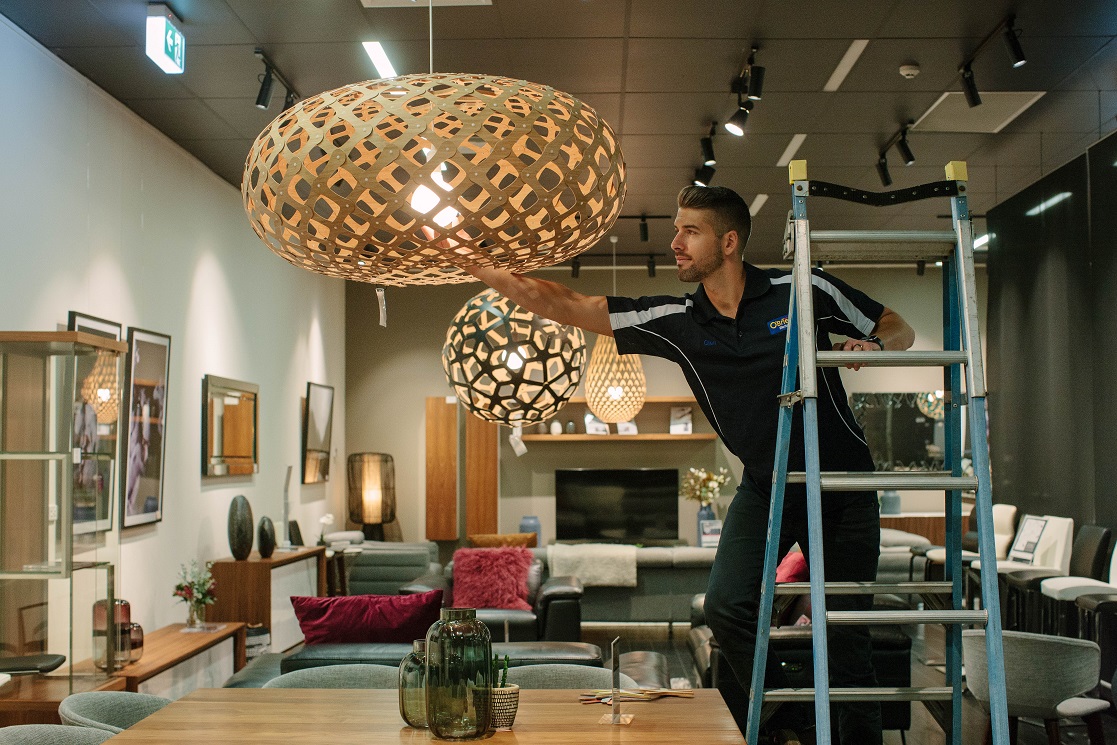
x=700 y=485
x=325 y=521
x=197 y=589
x=506 y=698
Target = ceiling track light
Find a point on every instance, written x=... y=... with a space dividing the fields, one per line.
x=736 y=124
x=1007 y=30
x=882 y=170
x=905 y=150
x=575 y=268
x=651 y=265
x=704 y=175
x=755 y=74
x=271 y=74
x=708 y=158
x=1012 y=41
x=643 y=228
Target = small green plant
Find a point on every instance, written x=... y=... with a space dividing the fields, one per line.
x=500 y=670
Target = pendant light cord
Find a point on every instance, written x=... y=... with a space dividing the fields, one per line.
x=430 y=35
x=613 y=239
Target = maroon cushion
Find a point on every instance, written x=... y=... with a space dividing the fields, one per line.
x=367 y=618
x=491 y=577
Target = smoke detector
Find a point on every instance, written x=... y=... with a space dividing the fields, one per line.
x=909 y=71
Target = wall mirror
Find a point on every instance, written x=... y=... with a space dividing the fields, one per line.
x=317 y=432
x=905 y=431
x=230 y=412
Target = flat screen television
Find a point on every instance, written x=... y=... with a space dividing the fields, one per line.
x=618 y=505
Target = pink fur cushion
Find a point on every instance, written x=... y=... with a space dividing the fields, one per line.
x=793 y=568
x=491 y=577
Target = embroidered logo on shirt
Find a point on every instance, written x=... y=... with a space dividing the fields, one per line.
x=776 y=325
x=708 y=342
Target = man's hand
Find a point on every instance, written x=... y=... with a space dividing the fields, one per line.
x=856 y=345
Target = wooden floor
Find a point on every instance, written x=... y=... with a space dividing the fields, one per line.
x=926 y=645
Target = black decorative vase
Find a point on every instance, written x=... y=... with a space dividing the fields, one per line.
x=265 y=537
x=240 y=527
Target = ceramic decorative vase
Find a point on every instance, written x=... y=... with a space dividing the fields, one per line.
x=530 y=524
x=705 y=512
x=459 y=676
x=265 y=537
x=506 y=702
x=413 y=685
x=240 y=527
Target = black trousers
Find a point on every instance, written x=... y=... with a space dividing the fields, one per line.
x=851 y=541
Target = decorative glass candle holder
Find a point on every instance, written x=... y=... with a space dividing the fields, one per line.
x=413 y=685
x=136 y=637
x=114 y=632
x=459 y=676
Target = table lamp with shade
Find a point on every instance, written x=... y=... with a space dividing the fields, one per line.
x=372 y=492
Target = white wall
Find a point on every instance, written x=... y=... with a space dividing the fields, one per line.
x=104 y=215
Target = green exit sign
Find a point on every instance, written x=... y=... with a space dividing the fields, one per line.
x=166 y=46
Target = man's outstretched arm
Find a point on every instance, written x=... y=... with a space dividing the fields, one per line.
x=549 y=299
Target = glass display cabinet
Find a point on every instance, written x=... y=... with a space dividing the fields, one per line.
x=60 y=419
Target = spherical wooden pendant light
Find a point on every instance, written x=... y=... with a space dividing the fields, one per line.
x=101 y=388
x=615 y=384
x=404 y=180
x=509 y=365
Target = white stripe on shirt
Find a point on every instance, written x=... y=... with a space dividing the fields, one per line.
x=863 y=323
x=637 y=317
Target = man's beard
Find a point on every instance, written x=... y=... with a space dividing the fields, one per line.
x=697 y=272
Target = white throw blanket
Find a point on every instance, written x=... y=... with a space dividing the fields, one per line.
x=595 y=564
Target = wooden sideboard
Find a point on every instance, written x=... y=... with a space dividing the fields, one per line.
x=930 y=525
x=258 y=590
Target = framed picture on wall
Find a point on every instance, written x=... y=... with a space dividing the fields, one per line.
x=96 y=423
x=147 y=369
x=317 y=433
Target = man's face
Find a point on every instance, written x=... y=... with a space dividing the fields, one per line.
x=698 y=250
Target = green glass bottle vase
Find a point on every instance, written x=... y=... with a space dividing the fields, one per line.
x=459 y=676
x=413 y=685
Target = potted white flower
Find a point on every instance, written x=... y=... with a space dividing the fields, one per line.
x=325 y=521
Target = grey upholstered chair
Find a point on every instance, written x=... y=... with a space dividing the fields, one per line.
x=51 y=734
x=338 y=676
x=565 y=676
x=109 y=711
x=1045 y=677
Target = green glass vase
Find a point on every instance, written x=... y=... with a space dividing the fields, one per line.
x=459 y=676
x=413 y=685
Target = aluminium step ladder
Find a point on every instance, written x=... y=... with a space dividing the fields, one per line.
x=961 y=348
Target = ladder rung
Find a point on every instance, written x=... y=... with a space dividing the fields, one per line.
x=920 y=358
x=869 y=588
x=922 y=693
x=873 y=480
x=883 y=236
x=881 y=617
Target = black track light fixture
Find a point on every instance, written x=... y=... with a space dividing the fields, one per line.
x=755 y=73
x=736 y=124
x=905 y=150
x=1012 y=41
x=263 y=98
x=882 y=170
x=651 y=265
x=704 y=175
x=575 y=268
x=969 y=86
x=267 y=80
x=708 y=158
x=643 y=228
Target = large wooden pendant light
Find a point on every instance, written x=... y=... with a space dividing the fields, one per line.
x=509 y=365
x=615 y=384
x=404 y=180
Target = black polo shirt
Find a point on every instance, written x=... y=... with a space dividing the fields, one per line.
x=734 y=365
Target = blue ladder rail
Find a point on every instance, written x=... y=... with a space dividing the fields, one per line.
x=961 y=349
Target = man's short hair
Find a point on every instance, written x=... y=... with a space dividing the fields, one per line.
x=728 y=209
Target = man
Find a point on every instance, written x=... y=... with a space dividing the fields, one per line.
x=728 y=338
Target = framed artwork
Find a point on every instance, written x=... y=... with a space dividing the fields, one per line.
x=317 y=432
x=147 y=368
x=96 y=424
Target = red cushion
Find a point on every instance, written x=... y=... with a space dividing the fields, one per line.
x=793 y=568
x=491 y=577
x=367 y=618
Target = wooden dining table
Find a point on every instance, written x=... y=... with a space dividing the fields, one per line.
x=213 y=716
